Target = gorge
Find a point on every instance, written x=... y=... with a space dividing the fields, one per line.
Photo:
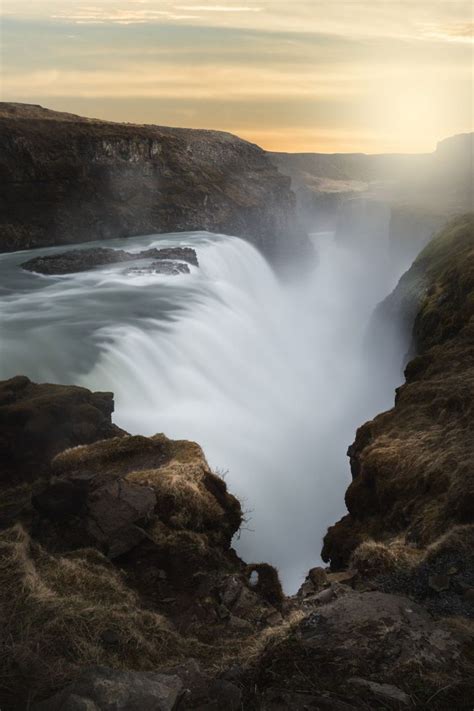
x=175 y=577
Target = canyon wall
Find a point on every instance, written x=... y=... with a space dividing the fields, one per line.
x=403 y=198
x=66 y=179
x=413 y=466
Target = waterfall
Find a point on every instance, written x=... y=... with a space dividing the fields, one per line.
x=270 y=378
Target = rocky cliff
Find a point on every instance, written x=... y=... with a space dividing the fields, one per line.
x=384 y=196
x=67 y=179
x=120 y=590
x=413 y=466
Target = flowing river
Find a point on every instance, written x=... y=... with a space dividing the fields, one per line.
x=271 y=378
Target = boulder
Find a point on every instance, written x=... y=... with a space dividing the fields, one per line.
x=39 y=421
x=104 y=689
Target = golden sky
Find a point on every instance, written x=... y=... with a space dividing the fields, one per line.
x=301 y=75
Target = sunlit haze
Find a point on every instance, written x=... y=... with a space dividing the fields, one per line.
x=310 y=75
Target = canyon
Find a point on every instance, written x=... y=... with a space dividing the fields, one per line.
x=130 y=576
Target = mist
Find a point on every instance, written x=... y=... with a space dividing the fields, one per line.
x=270 y=377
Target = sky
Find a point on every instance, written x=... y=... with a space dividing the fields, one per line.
x=295 y=75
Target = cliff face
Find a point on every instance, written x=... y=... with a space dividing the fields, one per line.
x=119 y=588
x=413 y=466
x=67 y=179
x=411 y=195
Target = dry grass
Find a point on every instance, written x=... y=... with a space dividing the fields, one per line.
x=372 y=558
x=61 y=613
x=181 y=494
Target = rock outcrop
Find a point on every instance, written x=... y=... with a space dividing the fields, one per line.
x=119 y=587
x=67 y=179
x=413 y=466
x=81 y=260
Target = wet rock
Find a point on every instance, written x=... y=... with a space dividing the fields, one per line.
x=104 y=689
x=80 y=260
x=165 y=267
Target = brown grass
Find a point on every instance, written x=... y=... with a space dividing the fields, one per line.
x=55 y=611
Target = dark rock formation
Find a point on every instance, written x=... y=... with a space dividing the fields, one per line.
x=81 y=260
x=103 y=689
x=67 y=179
x=362 y=650
x=39 y=421
x=413 y=466
x=119 y=587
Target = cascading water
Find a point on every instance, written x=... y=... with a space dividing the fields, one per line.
x=268 y=377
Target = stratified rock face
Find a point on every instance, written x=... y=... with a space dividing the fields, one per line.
x=67 y=179
x=413 y=466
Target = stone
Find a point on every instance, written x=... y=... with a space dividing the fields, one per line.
x=80 y=260
x=39 y=421
x=384 y=691
x=439 y=583
x=239 y=625
x=230 y=590
x=104 y=689
x=165 y=267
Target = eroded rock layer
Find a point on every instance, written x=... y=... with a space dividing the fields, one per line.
x=67 y=179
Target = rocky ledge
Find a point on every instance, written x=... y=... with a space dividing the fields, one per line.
x=67 y=179
x=80 y=260
x=120 y=590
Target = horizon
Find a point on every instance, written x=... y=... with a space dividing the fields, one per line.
x=360 y=77
x=192 y=128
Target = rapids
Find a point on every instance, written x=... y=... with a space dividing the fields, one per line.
x=271 y=378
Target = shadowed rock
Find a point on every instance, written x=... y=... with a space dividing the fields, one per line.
x=80 y=260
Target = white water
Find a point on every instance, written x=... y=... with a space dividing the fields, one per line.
x=271 y=379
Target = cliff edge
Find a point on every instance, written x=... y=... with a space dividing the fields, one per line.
x=67 y=179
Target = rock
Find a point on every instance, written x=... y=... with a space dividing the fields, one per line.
x=315 y=581
x=439 y=583
x=203 y=692
x=386 y=634
x=416 y=441
x=318 y=577
x=104 y=689
x=117 y=180
x=468 y=595
x=230 y=590
x=80 y=260
x=164 y=267
x=240 y=625
x=39 y=421
x=384 y=691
